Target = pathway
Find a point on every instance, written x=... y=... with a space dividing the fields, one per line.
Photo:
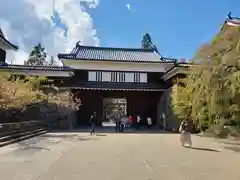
x=110 y=156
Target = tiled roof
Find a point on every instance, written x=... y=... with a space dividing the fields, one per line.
x=169 y=59
x=44 y=68
x=183 y=64
x=114 y=54
x=14 y=47
x=176 y=66
x=233 y=22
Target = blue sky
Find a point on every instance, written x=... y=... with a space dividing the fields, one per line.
x=178 y=28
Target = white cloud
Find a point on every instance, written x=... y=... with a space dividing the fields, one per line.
x=128 y=6
x=27 y=22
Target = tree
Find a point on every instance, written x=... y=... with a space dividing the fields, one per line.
x=15 y=93
x=147 y=41
x=35 y=82
x=37 y=56
x=23 y=98
x=211 y=91
x=52 y=61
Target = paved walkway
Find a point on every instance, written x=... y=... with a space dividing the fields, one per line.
x=110 y=156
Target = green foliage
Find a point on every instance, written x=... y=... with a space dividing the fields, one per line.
x=147 y=41
x=16 y=92
x=211 y=94
x=24 y=94
x=37 y=56
x=35 y=82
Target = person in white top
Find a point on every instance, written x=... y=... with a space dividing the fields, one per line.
x=149 y=122
x=138 y=122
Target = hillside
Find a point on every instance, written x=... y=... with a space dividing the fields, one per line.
x=211 y=94
x=225 y=46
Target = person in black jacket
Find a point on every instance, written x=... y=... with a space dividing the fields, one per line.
x=117 y=121
x=93 y=121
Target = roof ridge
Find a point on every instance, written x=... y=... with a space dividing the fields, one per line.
x=169 y=58
x=82 y=52
x=1 y=33
x=7 y=41
x=115 y=48
x=33 y=66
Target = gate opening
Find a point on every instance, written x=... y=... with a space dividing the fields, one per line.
x=113 y=107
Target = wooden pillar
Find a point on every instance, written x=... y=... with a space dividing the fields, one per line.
x=128 y=107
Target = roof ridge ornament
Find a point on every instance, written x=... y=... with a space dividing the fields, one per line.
x=1 y=33
x=229 y=15
x=233 y=21
x=78 y=44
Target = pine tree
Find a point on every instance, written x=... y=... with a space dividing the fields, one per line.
x=147 y=41
x=52 y=61
x=37 y=56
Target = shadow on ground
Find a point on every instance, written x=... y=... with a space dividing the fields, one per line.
x=104 y=130
x=203 y=149
x=42 y=142
x=76 y=135
x=233 y=145
x=234 y=148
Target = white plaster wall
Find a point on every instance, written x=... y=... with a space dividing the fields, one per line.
x=9 y=52
x=91 y=76
x=106 y=76
x=129 y=77
x=143 y=77
x=4 y=45
x=116 y=66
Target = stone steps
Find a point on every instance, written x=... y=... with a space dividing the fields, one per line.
x=16 y=136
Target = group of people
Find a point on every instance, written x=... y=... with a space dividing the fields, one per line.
x=121 y=122
x=185 y=127
x=132 y=121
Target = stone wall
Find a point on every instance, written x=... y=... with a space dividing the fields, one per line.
x=65 y=111
x=166 y=118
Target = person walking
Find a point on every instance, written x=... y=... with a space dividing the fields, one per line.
x=185 y=130
x=93 y=120
x=149 y=122
x=122 y=123
x=118 y=122
x=134 y=122
x=138 y=122
x=130 y=121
